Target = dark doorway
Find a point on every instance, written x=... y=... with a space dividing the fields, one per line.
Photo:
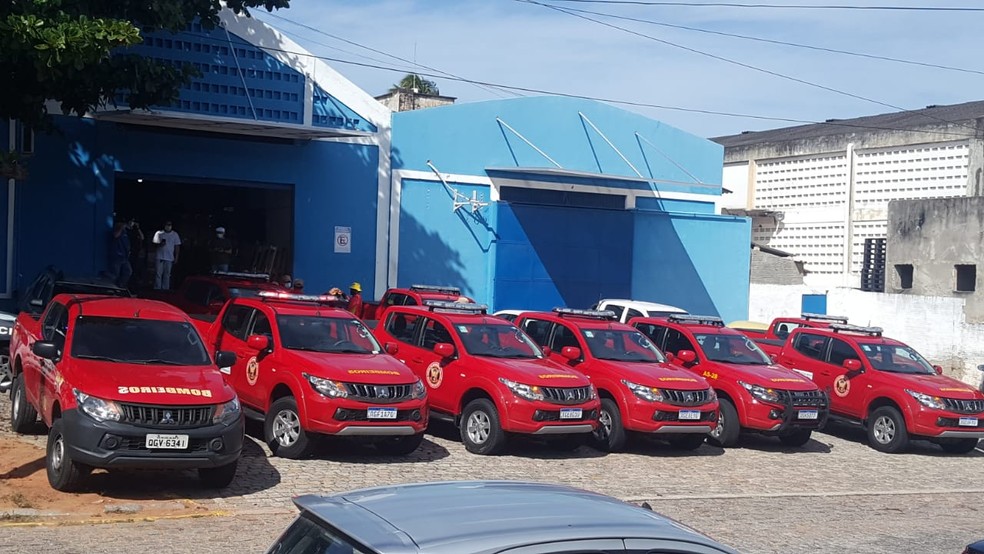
x=258 y=218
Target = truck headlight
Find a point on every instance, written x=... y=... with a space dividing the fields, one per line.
x=529 y=392
x=97 y=408
x=227 y=413
x=926 y=400
x=418 y=391
x=760 y=392
x=651 y=394
x=327 y=387
x=711 y=395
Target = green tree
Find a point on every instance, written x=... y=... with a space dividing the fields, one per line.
x=412 y=81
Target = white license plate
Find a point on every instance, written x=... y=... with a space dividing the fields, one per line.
x=690 y=415
x=570 y=413
x=807 y=414
x=169 y=442
x=968 y=422
x=381 y=413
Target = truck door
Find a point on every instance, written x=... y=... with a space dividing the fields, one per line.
x=844 y=387
x=442 y=376
x=54 y=329
x=808 y=349
x=232 y=336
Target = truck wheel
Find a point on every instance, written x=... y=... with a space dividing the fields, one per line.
x=283 y=432
x=958 y=446
x=687 y=442
x=610 y=435
x=6 y=375
x=481 y=431
x=23 y=416
x=218 y=477
x=886 y=430
x=64 y=474
x=795 y=437
x=728 y=427
x=400 y=446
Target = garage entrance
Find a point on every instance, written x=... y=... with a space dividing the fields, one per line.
x=258 y=218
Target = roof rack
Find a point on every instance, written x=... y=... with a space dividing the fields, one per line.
x=242 y=275
x=842 y=327
x=824 y=317
x=457 y=307
x=595 y=314
x=711 y=320
x=293 y=297
x=436 y=288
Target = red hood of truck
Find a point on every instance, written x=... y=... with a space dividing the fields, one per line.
x=532 y=371
x=151 y=384
x=370 y=369
x=771 y=376
x=937 y=385
x=659 y=375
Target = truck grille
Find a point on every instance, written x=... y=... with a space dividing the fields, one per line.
x=380 y=394
x=964 y=406
x=806 y=398
x=166 y=417
x=572 y=395
x=685 y=397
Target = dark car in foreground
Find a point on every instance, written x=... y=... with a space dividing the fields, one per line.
x=482 y=517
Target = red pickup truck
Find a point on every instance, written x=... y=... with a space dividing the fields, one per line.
x=206 y=294
x=753 y=393
x=306 y=369
x=488 y=378
x=640 y=392
x=771 y=339
x=416 y=295
x=123 y=382
x=886 y=387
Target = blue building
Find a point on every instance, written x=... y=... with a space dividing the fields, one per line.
x=525 y=203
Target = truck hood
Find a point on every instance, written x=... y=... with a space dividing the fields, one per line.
x=937 y=385
x=370 y=369
x=662 y=375
x=534 y=371
x=152 y=384
x=771 y=376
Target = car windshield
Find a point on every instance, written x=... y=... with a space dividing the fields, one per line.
x=138 y=341
x=621 y=345
x=731 y=349
x=326 y=334
x=496 y=341
x=896 y=358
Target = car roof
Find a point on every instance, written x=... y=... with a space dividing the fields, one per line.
x=689 y=325
x=849 y=335
x=644 y=305
x=486 y=516
x=581 y=322
x=454 y=317
x=126 y=308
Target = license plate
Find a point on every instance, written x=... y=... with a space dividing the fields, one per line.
x=381 y=413
x=570 y=413
x=968 y=422
x=169 y=442
x=690 y=415
x=807 y=414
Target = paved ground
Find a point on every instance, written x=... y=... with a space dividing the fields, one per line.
x=834 y=495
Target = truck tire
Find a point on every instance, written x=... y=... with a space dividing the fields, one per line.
x=687 y=442
x=958 y=446
x=481 y=431
x=64 y=473
x=400 y=446
x=610 y=436
x=795 y=437
x=283 y=432
x=726 y=433
x=23 y=416
x=218 y=477
x=886 y=430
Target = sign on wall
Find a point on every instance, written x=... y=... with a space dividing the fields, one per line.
x=343 y=240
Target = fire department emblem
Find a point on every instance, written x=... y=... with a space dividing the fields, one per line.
x=252 y=371
x=842 y=386
x=435 y=375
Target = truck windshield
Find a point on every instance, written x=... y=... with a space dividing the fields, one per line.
x=621 y=346
x=731 y=349
x=496 y=341
x=137 y=341
x=326 y=334
x=896 y=358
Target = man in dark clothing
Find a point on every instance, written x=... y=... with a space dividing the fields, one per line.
x=220 y=250
x=119 y=255
x=138 y=251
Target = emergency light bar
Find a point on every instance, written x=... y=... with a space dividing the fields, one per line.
x=290 y=296
x=464 y=307
x=697 y=319
x=240 y=275
x=597 y=314
x=873 y=331
x=824 y=317
x=436 y=288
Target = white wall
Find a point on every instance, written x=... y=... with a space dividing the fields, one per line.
x=933 y=325
x=735 y=179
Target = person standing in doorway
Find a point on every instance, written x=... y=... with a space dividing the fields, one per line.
x=119 y=255
x=220 y=251
x=355 y=299
x=168 y=248
x=138 y=252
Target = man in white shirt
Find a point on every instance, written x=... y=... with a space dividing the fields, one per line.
x=168 y=247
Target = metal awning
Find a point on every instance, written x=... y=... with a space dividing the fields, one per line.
x=226 y=125
x=574 y=174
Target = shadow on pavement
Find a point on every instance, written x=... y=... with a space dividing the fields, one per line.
x=918 y=447
x=764 y=443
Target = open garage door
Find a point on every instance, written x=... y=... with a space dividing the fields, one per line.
x=258 y=218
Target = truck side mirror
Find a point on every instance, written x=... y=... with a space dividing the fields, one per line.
x=852 y=365
x=670 y=357
x=687 y=356
x=224 y=359
x=391 y=348
x=546 y=350
x=258 y=342
x=774 y=358
x=572 y=353
x=45 y=349
x=444 y=349
x=939 y=369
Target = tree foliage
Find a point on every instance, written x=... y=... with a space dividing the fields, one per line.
x=71 y=52
x=412 y=81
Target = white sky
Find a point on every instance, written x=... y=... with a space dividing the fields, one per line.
x=520 y=44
